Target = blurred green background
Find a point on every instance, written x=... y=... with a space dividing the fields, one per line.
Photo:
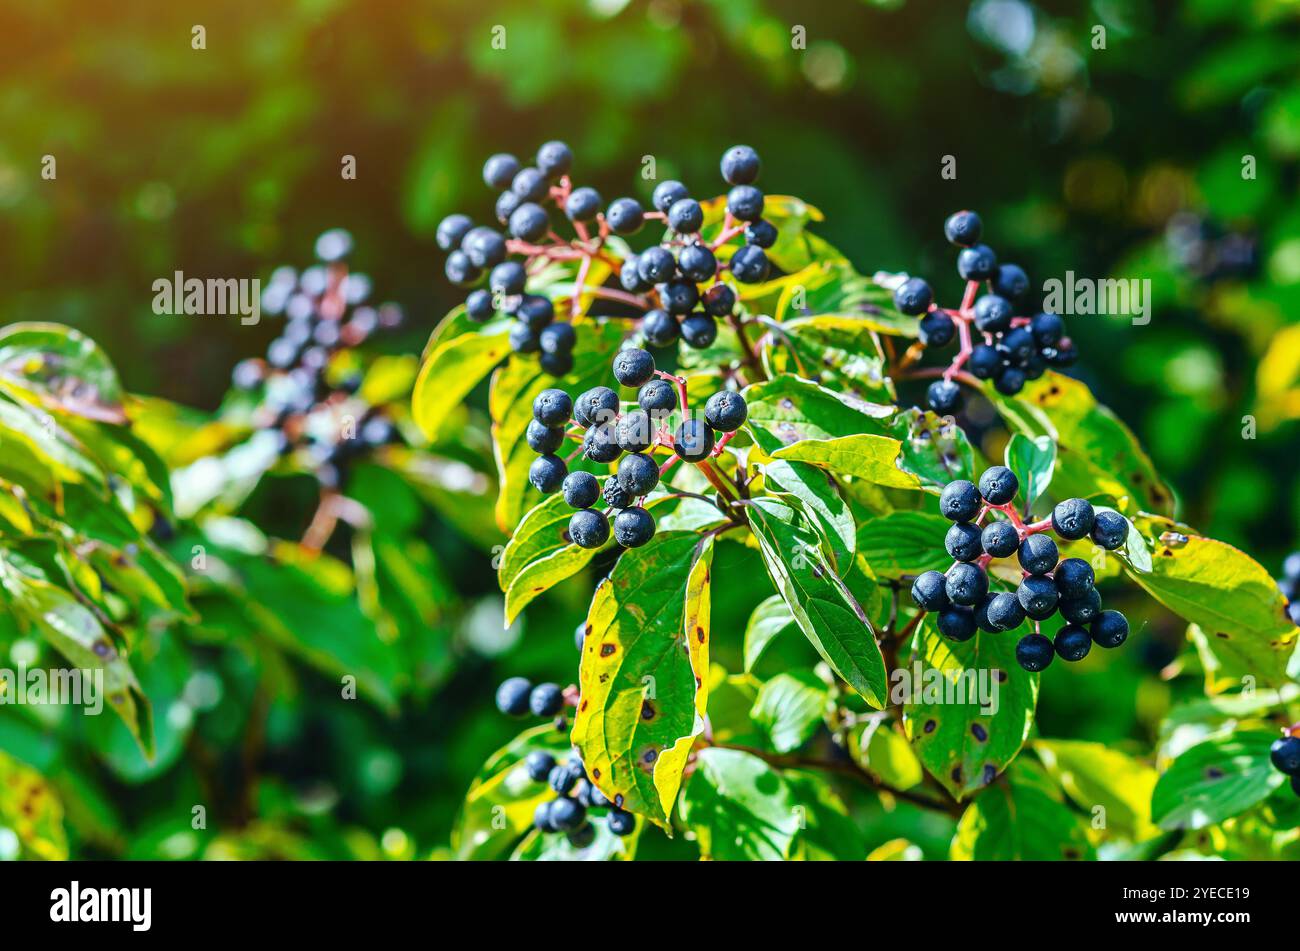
x=224 y=162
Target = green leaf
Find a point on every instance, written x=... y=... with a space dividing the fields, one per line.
x=832 y=288
x=827 y=832
x=789 y=709
x=865 y=456
x=450 y=372
x=816 y=495
x=1096 y=453
x=643 y=675
x=30 y=807
x=1019 y=818
x=1032 y=460
x=892 y=758
x=769 y=619
x=62 y=369
x=831 y=350
x=1094 y=775
x=553 y=847
x=829 y=616
x=539 y=555
x=786 y=409
x=969 y=706
x=75 y=632
x=739 y=808
x=904 y=543
x=934 y=448
x=1224 y=591
x=1215 y=780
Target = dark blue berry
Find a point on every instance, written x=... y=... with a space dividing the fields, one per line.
x=484 y=247
x=1074 y=578
x=638 y=474
x=966 y=584
x=1038 y=596
x=478 y=306
x=1062 y=355
x=621 y=823
x=1010 y=381
x=543 y=439
x=937 y=329
x=529 y=184
x=745 y=202
x=943 y=396
x=762 y=234
x=1010 y=281
x=512 y=696
x=499 y=170
x=1047 y=329
x=1109 y=529
x=686 y=216
x=726 y=411
x=1018 y=345
x=542 y=817
x=697 y=262
x=558 y=338
x=630 y=279
x=539 y=764
x=977 y=263
x=596 y=405
x=535 y=310
x=1081 y=610
x=984 y=362
x=699 y=331
x=1285 y=755
x=508 y=277
x=633 y=367
x=956 y=623
x=1073 y=519
x=633 y=527
x=556 y=362
x=1038 y=554
x=913 y=297
x=583 y=204
x=749 y=264
x=1072 y=643
x=928 y=591
x=960 y=501
x=1110 y=629
x=1005 y=611
x=581 y=489
x=963 y=542
x=554 y=159
x=658 y=398
x=693 y=440
x=740 y=165
x=1034 y=652
x=547 y=473
x=506 y=204
x=600 y=443
x=625 y=216
x=999 y=485
x=635 y=431
x=552 y=407
x=661 y=328
x=529 y=222
x=581 y=837
x=523 y=339
x=963 y=228
x=679 y=296
x=546 y=700
x=993 y=314
x=452 y=230
x=589 y=528
x=615 y=496
x=656 y=265
x=562 y=780
x=666 y=194
x=1000 y=539
x=460 y=270
x=719 y=300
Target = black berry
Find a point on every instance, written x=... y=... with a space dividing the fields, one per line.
x=693 y=440
x=966 y=584
x=512 y=696
x=740 y=165
x=552 y=407
x=633 y=527
x=1034 y=652
x=581 y=489
x=726 y=411
x=638 y=474
x=546 y=700
x=1038 y=554
x=913 y=297
x=634 y=367
x=963 y=228
x=1110 y=629
x=963 y=542
x=1109 y=529
x=1000 y=539
x=999 y=485
x=960 y=501
x=1072 y=643
x=928 y=591
x=547 y=474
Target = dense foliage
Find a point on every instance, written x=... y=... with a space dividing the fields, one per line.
x=309 y=651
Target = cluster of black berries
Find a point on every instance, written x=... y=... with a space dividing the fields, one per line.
x=1290 y=586
x=607 y=433
x=683 y=271
x=574 y=796
x=1285 y=753
x=962 y=597
x=1014 y=349
x=304 y=405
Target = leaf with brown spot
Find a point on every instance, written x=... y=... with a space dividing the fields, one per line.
x=955 y=742
x=644 y=637
x=1021 y=817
